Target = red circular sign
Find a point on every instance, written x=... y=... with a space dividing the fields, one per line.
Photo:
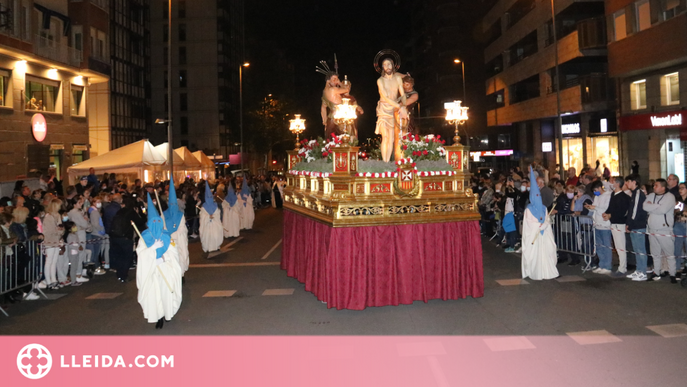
x=39 y=127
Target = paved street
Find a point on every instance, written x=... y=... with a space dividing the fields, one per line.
x=243 y=291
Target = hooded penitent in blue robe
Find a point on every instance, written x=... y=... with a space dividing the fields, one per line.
x=231 y=196
x=155 y=230
x=173 y=214
x=209 y=203
x=536 y=206
x=245 y=191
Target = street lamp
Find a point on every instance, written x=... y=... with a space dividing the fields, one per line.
x=456 y=115
x=462 y=66
x=246 y=64
x=297 y=125
x=170 y=148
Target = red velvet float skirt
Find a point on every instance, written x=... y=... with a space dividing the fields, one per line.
x=357 y=267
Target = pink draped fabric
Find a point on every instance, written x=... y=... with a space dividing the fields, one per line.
x=357 y=267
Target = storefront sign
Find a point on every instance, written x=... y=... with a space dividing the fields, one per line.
x=570 y=128
x=603 y=124
x=654 y=121
x=674 y=120
x=546 y=147
x=39 y=127
x=502 y=152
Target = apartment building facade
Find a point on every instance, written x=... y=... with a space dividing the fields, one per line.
x=647 y=55
x=207 y=51
x=522 y=92
x=47 y=82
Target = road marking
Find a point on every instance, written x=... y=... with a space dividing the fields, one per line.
x=104 y=296
x=228 y=245
x=267 y=254
x=669 y=330
x=208 y=265
x=278 y=292
x=512 y=343
x=593 y=337
x=219 y=293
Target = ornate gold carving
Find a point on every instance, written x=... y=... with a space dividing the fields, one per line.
x=360 y=188
x=361 y=211
x=436 y=186
x=380 y=188
x=410 y=209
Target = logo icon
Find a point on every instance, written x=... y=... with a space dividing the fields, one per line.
x=34 y=361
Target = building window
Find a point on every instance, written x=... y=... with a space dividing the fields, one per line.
x=619 y=25
x=166 y=102
x=165 y=33
x=182 y=78
x=182 y=8
x=182 y=55
x=41 y=94
x=4 y=79
x=165 y=56
x=671 y=9
x=183 y=102
x=75 y=100
x=182 y=32
x=643 y=15
x=165 y=80
x=183 y=125
x=165 y=10
x=638 y=94
x=670 y=89
x=503 y=141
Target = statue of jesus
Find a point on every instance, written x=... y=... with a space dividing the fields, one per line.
x=390 y=86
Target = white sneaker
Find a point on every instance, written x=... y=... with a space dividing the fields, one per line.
x=99 y=271
x=31 y=296
x=596 y=271
x=633 y=275
x=81 y=279
x=42 y=285
x=602 y=271
x=519 y=250
x=639 y=277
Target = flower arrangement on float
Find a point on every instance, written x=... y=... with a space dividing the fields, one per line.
x=429 y=147
x=426 y=153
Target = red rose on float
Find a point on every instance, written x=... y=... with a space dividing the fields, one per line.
x=424 y=152
x=405 y=147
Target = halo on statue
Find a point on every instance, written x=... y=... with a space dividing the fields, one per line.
x=387 y=54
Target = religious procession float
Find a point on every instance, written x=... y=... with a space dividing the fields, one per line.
x=362 y=233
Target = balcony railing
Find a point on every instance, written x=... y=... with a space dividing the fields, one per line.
x=50 y=49
x=591 y=33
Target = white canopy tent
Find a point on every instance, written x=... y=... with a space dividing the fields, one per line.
x=162 y=172
x=138 y=160
x=192 y=165
x=207 y=165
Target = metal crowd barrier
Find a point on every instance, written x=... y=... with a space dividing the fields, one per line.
x=574 y=234
x=20 y=266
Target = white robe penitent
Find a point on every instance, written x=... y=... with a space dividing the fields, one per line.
x=154 y=294
x=180 y=237
x=538 y=251
x=248 y=213
x=211 y=231
x=231 y=221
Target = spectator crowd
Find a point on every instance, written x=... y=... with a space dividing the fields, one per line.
x=87 y=230
x=594 y=214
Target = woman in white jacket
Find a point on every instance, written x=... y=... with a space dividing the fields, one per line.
x=602 y=227
x=53 y=243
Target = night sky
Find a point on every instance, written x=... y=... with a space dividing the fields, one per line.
x=313 y=30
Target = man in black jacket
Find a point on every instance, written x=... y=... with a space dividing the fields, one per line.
x=636 y=224
x=122 y=237
x=617 y=214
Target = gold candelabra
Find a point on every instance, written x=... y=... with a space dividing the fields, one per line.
x=297 y=126
x=456 y=115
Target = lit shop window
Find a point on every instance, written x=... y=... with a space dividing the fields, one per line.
x=643 y=15
x=670 y=89
x=619 y=25
x=638 y=94
x=41 y=94
x=604 y=149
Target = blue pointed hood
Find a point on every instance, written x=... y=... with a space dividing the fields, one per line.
x=209 y=202
x=173 y=214
x=155 y=230
x=231 y=197
x=536 y=206
x=245 y=191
